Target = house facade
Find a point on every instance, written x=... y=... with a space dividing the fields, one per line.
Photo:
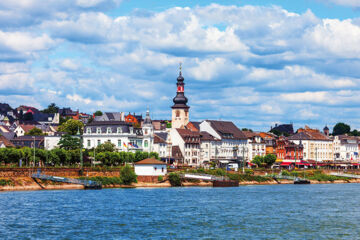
x=123 y=135
x=317 y=146
x=346 y=148
x=232 y=144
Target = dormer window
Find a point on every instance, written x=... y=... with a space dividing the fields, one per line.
x=88 y=130
x=98 y=130
x=131 y=130
x=146 y=131
x=119 y=130
x=108 y=130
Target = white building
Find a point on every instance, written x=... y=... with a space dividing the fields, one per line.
x=317 y=146
x=346 y=148
x=123 y=135
x=162 y=145
x=150 y=167
x=148 y=133
x=256 y=146
x=233 y=143
x=189 y=145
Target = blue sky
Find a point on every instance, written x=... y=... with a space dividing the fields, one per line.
x=254 y=62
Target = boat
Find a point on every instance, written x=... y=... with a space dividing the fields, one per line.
x=301 y=181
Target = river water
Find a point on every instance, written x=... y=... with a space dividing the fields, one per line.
x=324 y=211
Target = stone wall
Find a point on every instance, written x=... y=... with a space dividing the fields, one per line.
x=61 y=172
x=150 y=179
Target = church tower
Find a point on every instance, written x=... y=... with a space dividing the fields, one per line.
x=180 y=111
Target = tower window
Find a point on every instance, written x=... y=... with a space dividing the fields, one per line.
x=177 y=113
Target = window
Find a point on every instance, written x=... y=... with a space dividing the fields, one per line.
x=98 y=142
x=88 y=130
x=119 y=130
x=98 y=130
x=119 y=143
x=146 y=143
x=108 y=130
x=88 y=143
x=177 y=113
x=146 y=131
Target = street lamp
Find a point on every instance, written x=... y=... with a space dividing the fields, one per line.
x=316 y=155
x=81 y=146
x=243 y=158
x=33 y=137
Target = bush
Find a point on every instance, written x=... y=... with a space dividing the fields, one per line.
x=128 y=175
x=160 y=178
x=6 y=182
x=175 y=180
x=249 y=172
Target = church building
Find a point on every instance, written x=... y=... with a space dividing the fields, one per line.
x=180 y=109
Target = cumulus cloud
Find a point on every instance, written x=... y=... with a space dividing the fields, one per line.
x=348 y=3
x=239 y=62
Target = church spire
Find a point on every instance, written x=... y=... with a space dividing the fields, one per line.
x=180 y=101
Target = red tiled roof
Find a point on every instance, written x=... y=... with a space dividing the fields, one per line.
x=6 y=142
x=150 y=161
x=27 y=127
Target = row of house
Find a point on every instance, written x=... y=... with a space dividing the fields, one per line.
x=179 y=140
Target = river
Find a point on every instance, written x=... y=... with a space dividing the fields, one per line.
x=319 y=211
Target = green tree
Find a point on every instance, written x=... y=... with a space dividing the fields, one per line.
x=175 y=180
x=269 y=159
x=106 y=147
x=52 y=108
x=258 y=160
x=71 y=127
x=35 y=132
x=98 y=113
x=127 y=175
x=341 y=128
x=355 y=133
x=28 y=116
x=68 y=142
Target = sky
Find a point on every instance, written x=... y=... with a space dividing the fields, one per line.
x=253 y=62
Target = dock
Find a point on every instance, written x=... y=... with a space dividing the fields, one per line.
x=218 y=181
x=88 y=184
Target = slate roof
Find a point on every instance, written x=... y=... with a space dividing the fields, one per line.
x=205 y=136
x=189 y=136
x=158 y=139
x=227 y=130
x=309 y=136
x=113 y=125
x=110 y=116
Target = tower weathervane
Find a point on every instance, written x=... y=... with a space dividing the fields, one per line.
x=180 y=67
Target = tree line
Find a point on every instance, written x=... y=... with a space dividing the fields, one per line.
x=69 y=158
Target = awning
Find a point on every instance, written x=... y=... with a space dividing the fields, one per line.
x=285 y=163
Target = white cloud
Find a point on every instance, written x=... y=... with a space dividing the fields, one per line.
x=349 y=3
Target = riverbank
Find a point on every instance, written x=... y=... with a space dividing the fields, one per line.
x=29 y=184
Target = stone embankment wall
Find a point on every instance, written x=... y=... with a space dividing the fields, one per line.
x=61 y=172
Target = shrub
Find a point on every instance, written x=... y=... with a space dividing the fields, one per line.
x=175 y=180
x=160 y=178
x=6 y=182
x=127 y=175
x=249 y=172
